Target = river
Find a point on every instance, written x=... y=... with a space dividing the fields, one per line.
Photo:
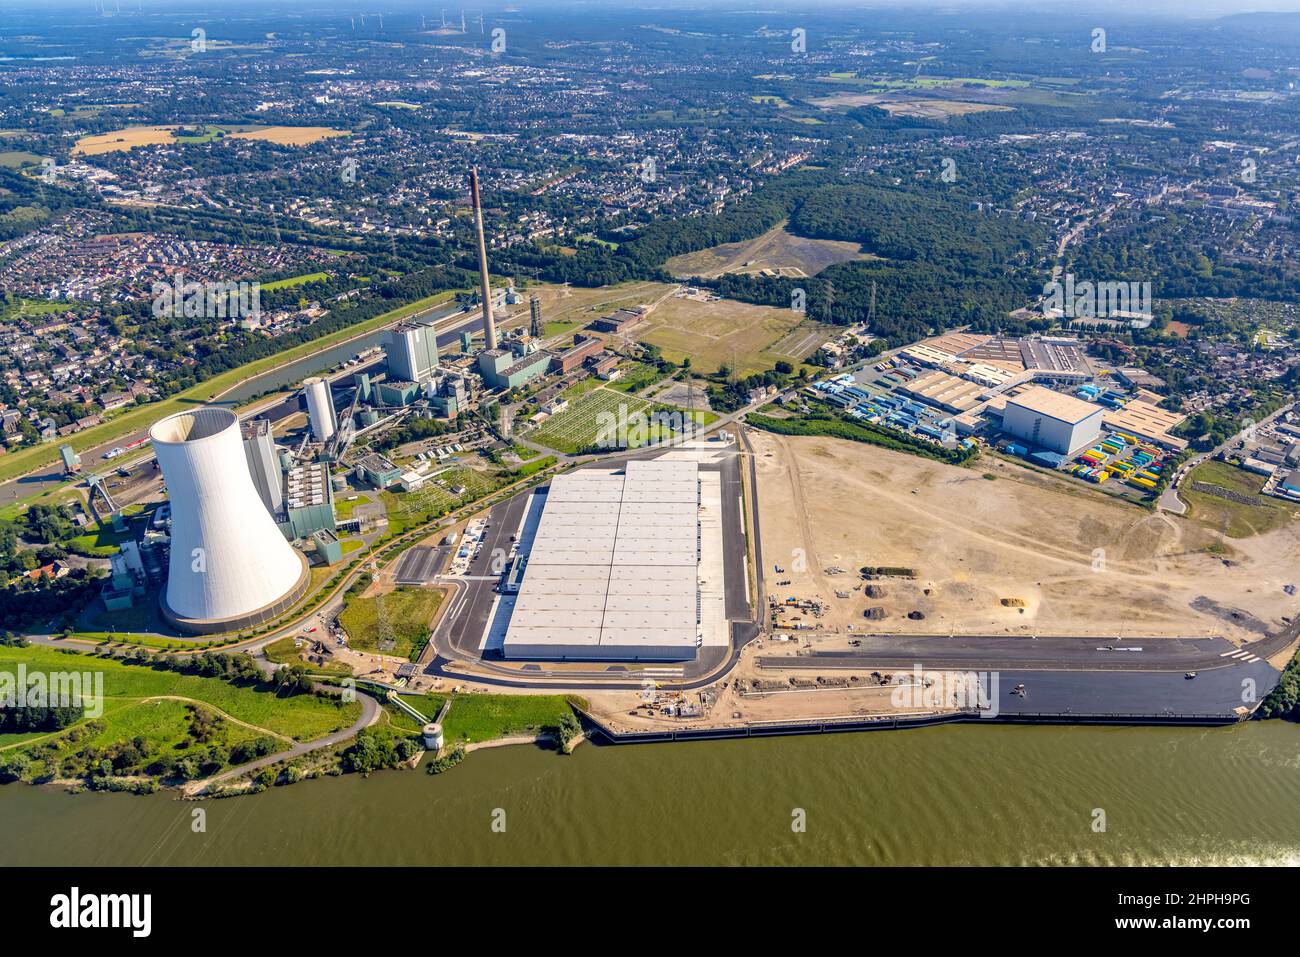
x=953 y=795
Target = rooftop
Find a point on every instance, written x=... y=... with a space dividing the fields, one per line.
x=613 y=567
x=1065 y=408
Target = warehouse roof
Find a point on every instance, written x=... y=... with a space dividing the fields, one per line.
x=613 y=565
x=1056 y=405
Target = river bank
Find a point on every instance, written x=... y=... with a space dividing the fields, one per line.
x=956 y=795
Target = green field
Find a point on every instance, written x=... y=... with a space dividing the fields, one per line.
x=295 y=280
x=16 y=159
x=580 y=426
x=484 y=717
x=161 y=716
x=20 y=308
x=1234 y=519
x=135 y=418
x=409 y=612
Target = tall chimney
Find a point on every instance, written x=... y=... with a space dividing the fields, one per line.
x=489 y=323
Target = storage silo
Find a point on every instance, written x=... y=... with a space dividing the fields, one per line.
x=320 y=408
x=230 y=566
x=432 y=735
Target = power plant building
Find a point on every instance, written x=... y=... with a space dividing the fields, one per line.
x=230 y=567
x=263 y=463
x=320 y=408
x=613 y=572
x=412 y=352
x=511 y=368
x=1051 y=420
x=310 y=500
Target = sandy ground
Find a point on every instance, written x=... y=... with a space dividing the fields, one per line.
x=1081 y=563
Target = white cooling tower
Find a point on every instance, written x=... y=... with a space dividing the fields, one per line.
x=230 y=566
x=320 y=408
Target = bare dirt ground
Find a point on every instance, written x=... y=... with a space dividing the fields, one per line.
x=1081 y=563
x=777 y=250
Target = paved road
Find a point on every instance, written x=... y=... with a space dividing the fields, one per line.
x=1169 y=500
x=370 y=711
x=1045 y=653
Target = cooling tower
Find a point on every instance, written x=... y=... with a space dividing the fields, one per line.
x=320 y=408
x=230 y=566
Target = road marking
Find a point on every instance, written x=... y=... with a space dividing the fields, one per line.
x=1227 y=654
x=1252 y=659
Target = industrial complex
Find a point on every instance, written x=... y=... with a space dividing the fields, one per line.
x=230 y=566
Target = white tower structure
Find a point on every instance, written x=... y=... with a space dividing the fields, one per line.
x=230 y=566
x=320 y=408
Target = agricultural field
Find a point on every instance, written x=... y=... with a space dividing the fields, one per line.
x=723 y=332
x=124 y=139
x=289 y=135
x=132 y=136
x=776 y=252
x=582 y=424
x=409 y=612
x=899 y=105
x=1233 y=519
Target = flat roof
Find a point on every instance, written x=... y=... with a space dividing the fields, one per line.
x=1146 y=420
x=1057 y=405
x=942 y=389
x=614 y=564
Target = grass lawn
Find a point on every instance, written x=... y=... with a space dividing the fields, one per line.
x=637 y=376
x=343 y=508
x=302 y=717
x=482 y=717
x=409 y=611
x=1234 y=519
x=295 y=280
x=427 y=704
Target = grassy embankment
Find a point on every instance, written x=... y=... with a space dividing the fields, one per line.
x=163 y=715
x=475 y=718
x=1260 y=514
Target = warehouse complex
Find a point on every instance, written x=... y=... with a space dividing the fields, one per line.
x=613 y=572
x=1052 y=420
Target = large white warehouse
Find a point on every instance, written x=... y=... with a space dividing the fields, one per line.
x=1052 y=420
x=230 y=566
x=614 y=568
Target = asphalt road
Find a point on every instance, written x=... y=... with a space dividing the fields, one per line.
x=1027 y=653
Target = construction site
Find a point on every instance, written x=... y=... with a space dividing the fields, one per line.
x=861 y=540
